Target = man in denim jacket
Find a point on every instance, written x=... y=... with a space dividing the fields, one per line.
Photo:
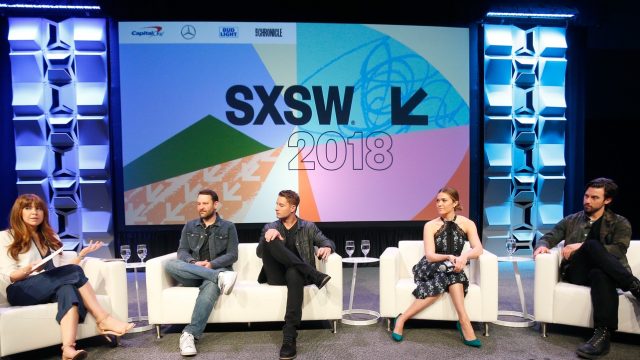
x=208 y=247
x=286 y=247
x=594 y=254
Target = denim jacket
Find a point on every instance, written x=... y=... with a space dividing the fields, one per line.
x=307 y=236
x=615 y=233
x=223 y=242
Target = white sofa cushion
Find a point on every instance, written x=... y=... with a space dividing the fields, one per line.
x=169 y=303
x=558 y=302
x=396 y=285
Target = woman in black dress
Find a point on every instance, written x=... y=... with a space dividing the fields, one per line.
x=441 y=269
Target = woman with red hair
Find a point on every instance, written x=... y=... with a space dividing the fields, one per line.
x=28 y=240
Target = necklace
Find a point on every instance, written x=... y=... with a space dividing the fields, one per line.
x=445 y=220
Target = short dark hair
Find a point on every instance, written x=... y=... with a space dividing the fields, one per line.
x=610 y=187
x=209 y=192
x=292 y=197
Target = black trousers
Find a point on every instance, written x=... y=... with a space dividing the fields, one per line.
x=592 y=265
x=283 y=267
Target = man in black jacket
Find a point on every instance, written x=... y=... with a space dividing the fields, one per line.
x=286 y=247
x=594 y=254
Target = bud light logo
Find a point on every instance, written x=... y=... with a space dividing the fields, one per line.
x=228 y=32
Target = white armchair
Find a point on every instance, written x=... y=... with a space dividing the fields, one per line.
x=558 y=302
x=24 y=328
x=396 y=285
x=169 y=303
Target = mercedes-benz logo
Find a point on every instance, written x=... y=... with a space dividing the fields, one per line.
x=188 y=32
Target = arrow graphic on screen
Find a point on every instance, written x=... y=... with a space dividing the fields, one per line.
x=401 y=114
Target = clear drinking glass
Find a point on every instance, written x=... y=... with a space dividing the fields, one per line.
x=350 y=247
x=511 y=245
x=365 y=246
x=125 y=252
x=142 y=251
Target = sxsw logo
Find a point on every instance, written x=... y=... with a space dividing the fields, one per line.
x=149 y=31
x=228 y=32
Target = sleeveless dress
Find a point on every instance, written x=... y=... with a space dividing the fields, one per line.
x=430 y=279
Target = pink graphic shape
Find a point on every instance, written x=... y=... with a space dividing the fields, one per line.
x=423 y=162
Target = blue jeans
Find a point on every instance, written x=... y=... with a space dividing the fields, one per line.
x=59 y=284
x=207 y=279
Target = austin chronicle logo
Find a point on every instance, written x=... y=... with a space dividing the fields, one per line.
x=188 y=32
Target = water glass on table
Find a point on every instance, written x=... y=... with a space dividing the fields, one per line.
x=125 y=252
x=350 y=247
x=365 y=246
x=511 y=245
x=142 y=251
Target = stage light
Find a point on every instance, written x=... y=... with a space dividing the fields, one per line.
x=49 y=7
x=523 y=15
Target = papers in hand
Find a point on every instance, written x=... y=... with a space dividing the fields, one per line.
x=44 y=260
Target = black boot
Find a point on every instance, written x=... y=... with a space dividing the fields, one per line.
x=288 y=349
x=635 y=288
x=597 y=346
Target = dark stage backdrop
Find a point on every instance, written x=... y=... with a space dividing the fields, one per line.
x=162 y=240
x=8 y=188
x=611 y=138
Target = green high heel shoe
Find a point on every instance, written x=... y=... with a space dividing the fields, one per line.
x=474 y=343
x=394 y=336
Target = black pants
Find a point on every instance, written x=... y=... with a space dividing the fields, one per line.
x=283 y=267
x=592 y=265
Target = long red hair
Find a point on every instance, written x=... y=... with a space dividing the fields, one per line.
x=22 y=233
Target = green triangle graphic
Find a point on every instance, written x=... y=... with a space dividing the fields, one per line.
x=206 y=143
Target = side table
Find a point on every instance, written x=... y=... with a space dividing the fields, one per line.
x=346 y=314
x=135 y=266
x=528 y=319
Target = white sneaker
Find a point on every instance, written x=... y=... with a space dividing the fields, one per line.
x=187 y=345
x=226 y=281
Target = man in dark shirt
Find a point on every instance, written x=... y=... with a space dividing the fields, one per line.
x=286 y=247
x=208 y=247
x=594 y=254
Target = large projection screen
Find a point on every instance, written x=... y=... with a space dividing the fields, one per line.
x=366 y=122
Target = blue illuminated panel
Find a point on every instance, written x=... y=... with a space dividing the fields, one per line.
x=524 y=126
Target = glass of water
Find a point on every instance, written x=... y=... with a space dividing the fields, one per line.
x=365 y=246
x=142 y=251
x=125 y=252
x=511 y=245
x=350 y=247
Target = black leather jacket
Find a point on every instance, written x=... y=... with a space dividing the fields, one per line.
x=307 y=236
x=615 y=233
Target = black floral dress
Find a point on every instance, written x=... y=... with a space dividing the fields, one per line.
x=429 y=277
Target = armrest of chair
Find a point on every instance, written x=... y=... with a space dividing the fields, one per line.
x=484 y=272
x=389 y=277
x=109 y=278
x=157 y=280
x=333 y=268
x=546 y=276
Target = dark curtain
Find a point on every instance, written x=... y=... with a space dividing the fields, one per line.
x=162 y=240
x=612 y=121
x=575 y=129
x=7 y=144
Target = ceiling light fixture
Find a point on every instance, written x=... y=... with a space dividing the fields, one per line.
x=49 y=7
x=523 y=15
